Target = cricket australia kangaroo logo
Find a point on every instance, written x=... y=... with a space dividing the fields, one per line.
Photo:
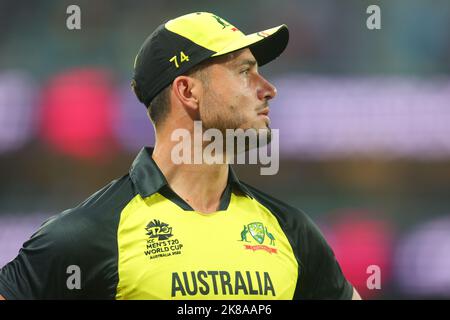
x=223 y=23
x=261 y=235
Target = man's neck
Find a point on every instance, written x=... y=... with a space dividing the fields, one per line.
x=200 y=185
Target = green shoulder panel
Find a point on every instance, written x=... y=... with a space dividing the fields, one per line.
x=320 y=276
x=73 y=255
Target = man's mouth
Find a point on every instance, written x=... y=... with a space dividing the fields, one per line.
x=264 y=112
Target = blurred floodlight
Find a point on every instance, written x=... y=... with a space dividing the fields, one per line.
x=360 y=242
x=423 y=260
x=386 y=117
x=77 y=112
x=18 y=108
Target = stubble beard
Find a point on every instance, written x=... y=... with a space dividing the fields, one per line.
x=215 y=121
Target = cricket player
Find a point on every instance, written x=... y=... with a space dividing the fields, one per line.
x=170 y=230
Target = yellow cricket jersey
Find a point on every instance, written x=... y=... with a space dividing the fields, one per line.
x=137 y=239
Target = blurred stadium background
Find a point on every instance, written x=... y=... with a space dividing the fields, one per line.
x=364 y=119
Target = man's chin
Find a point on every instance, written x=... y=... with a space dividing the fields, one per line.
x=263 y=138
x=245 y=139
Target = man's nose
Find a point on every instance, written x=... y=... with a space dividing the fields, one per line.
x=266 y=90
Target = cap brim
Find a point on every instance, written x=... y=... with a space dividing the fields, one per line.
x=265 y=45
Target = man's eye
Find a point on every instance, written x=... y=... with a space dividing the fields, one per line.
x=245 y=71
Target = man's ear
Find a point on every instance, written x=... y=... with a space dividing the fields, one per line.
x=186 y=91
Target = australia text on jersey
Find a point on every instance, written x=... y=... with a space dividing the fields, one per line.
x=222 y=283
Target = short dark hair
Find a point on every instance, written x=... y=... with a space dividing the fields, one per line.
x=159 y=107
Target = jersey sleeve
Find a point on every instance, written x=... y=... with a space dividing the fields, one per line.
x=64 y=259
x=322 y=275
x=39 y=270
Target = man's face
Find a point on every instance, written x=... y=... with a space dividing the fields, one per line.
x=236 y=95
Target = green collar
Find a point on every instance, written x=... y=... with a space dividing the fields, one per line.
x=149 y=179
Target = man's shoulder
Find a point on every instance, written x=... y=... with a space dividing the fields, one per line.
x=98 y=213
x=116 y=193
x=285 y=212
x=84 y=236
